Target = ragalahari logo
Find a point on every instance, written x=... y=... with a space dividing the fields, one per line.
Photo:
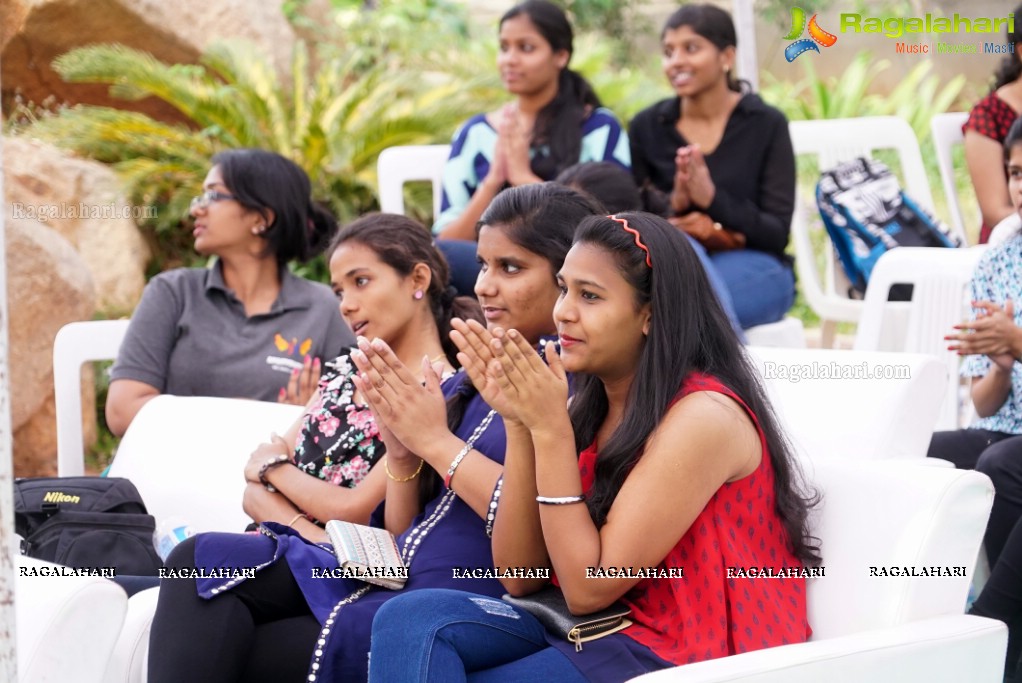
x=816 y=34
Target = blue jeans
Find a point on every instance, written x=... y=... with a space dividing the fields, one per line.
x=762 y=287
x=441 y=636
x=461 y=257
x=719 y=286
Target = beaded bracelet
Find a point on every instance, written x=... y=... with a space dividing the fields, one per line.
x=270 y=463
x=454 y=464
x=491 y=511
x=476 y=433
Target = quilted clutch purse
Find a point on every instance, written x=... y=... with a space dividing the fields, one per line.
x=550 y=608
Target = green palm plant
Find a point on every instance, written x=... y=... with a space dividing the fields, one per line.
x=917 y=97
x=332 y=120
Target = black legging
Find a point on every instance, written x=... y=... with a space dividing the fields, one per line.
x=997 y=455
x=1002 y=597
x=260 y=630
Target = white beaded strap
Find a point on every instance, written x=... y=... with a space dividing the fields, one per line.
x=480 y=428
x=491 y=511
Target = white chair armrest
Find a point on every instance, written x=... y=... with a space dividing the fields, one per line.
x=128 y=661
x=946 y=649
x=66 y=626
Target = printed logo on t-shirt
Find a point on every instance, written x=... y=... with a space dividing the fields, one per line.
x=295 y=351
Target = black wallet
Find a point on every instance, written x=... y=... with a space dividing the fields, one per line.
x=550 y=608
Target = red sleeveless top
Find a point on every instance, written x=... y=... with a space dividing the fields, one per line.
x=706 y=614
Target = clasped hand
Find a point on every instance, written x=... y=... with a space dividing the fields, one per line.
x=511 y=376
x=409 y=414
x=993 y=333
x=511 y=162
x=693 y=186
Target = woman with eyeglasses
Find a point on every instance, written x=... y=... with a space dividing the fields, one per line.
x=245 y=327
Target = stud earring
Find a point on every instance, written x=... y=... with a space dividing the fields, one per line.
x=727 y=69
x=258 y=230
x=418 y=294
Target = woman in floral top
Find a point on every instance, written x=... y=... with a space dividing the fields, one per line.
x=392 y=284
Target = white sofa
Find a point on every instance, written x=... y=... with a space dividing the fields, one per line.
x=65 y=626
x=876 y=419
x=865 y=627
x=874 y=628
x=896 y=512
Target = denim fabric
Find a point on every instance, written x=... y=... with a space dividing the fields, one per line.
x=442 y=636
x=762 y=286
x=719 y=286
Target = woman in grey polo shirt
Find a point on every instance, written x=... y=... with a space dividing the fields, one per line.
x=245 y=327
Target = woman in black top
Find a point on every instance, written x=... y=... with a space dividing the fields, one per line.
x=725 y=160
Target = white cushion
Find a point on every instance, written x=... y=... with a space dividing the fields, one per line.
x=128 y=661
x=66 y=626
x=864 y=419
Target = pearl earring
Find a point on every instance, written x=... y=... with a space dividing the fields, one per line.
x=418 y=294
x=258 y=230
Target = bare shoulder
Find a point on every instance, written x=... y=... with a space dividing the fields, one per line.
x=709 y=422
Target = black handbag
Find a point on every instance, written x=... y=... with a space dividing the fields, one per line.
x=550 y=608
x=86 y=522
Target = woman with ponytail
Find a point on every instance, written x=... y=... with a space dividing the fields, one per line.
x=245 y=327
x=394 y=285
x=293 y=621
x=985 y=132
x=556 y=120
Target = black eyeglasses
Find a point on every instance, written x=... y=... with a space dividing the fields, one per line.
x=207 y=198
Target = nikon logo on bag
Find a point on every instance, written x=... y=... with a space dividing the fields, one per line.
x=59 y=497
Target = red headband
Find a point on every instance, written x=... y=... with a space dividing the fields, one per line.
x=638 y=239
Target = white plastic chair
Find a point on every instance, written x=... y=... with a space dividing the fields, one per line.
x=833 y=141
x=75 y=344
x=940 y=286
x=946 y=130
x=399 y=165
x=786 y=333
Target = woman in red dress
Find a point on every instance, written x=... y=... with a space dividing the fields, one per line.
x=666 y=485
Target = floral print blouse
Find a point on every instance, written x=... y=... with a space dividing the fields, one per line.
x=339 y=441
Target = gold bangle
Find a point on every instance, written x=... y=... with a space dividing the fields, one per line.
x=413 y=475
x=300 y=515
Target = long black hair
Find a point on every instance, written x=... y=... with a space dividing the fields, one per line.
x=402 y=244
x=688 y=332
x=559 y=124
x=1010 y=67
x=264 y=181
x=714 y=24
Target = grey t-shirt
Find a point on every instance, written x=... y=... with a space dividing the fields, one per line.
x=190 y=336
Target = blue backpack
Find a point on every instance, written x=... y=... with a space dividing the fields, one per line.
x=866 y=214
